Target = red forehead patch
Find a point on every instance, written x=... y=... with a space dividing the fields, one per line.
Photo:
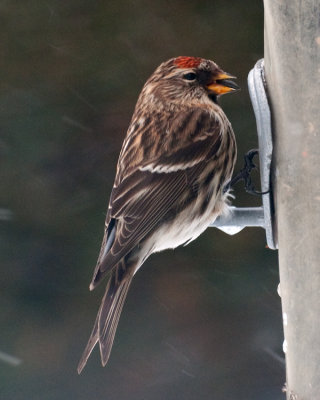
x=187 y=62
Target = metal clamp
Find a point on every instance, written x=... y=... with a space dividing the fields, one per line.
x=240 y=218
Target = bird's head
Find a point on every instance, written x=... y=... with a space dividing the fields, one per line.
x=188 y=80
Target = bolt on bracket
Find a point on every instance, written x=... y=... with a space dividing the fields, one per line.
x=262 y=216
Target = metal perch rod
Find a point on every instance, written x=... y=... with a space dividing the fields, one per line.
x=241 y=217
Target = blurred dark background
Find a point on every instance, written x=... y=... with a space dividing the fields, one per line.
x=200 y=322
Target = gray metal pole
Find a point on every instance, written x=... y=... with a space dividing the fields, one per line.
x=292 y=65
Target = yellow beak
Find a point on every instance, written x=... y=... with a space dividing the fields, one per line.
x=222 y=84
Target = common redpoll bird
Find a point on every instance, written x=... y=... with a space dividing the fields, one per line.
x=176 y=160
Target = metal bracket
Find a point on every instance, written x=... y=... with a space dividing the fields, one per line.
x=240 y=218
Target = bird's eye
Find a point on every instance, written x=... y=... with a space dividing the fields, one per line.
x=190 y=76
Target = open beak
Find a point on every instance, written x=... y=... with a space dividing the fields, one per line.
x=222 y=84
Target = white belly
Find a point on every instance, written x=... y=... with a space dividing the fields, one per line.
x=186 y=227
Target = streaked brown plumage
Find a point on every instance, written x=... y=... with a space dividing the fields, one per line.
x=176 y=159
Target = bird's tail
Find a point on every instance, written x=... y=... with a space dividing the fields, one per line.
x=108 y=315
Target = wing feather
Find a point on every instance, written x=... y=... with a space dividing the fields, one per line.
x=144 y=197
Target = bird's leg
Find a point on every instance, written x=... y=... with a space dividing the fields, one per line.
x=245 y=174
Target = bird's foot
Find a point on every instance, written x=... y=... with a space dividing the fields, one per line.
x=245 y=174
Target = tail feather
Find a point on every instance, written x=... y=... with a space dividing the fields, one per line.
x=94 y=337
x=108 y=315
x=108 y=325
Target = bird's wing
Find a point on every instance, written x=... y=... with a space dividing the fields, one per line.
x=148 y=193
